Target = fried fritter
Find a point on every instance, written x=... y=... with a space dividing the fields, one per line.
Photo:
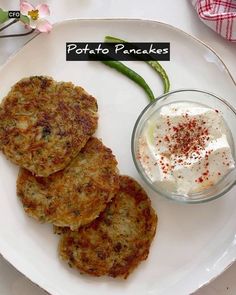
x=116 y=242
x=44 y=123
x=76 y=195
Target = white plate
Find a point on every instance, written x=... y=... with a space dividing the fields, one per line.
x=194 y=243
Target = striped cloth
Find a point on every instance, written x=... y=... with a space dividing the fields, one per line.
x=219 y=15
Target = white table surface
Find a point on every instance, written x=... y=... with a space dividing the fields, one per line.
x=179 y=13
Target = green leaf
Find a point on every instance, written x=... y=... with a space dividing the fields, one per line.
x=3 y=16
x=24 y=19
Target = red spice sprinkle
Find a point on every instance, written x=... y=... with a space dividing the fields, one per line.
x=219 y=173
x=187 y=137
x=216 y=111
x=166 y=138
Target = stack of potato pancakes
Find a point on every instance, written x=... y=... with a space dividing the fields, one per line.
x=70 y=179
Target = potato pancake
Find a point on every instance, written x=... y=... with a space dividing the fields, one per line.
x=116 y=242
x=76 y=195
x=44 y=124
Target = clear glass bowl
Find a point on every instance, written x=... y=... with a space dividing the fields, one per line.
x=191 y=96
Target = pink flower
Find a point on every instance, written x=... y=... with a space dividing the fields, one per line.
x=36 y=16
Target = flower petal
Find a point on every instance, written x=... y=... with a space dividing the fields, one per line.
x=43 y=26
x=43 y=10
x=25 y=7
x=27 y=27
x=33 y=23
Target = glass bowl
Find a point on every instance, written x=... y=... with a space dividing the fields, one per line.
x=206 y=99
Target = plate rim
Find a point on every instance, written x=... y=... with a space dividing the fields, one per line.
x=121 y=19
x=57 y=23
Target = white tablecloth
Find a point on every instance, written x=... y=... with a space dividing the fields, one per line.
x=178 y=13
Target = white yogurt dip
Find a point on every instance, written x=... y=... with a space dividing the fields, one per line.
x=184 y=148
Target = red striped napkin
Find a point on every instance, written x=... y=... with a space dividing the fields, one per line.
x=219 y=15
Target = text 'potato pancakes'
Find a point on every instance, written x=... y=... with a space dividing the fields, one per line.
x=116 y=242
x=44 y=123
x=76 y=195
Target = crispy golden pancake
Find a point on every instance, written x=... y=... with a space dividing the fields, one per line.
x=116 y=242
x=44 y=123
x=76 y=195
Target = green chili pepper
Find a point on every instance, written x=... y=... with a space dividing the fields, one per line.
x=160 y=70
x=120 y=67
x=114 y=40
x=154 y=64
